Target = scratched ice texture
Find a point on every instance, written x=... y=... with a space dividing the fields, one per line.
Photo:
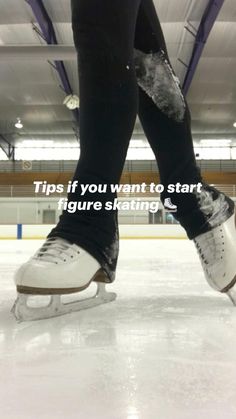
x=165 y=349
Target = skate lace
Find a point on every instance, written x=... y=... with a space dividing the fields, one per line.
x=210 y=248
x=56 y=250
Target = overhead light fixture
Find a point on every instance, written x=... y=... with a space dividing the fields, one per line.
x=18 y=124
x=216 y=143
x=71 y=102
x=234 y=124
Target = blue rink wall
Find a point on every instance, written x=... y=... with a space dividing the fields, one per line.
x=129 y=231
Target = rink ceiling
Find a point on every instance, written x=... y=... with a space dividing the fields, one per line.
x=31 y=89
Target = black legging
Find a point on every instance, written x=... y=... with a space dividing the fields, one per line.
x=124 y=69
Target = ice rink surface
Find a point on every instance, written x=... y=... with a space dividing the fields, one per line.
x=165 y=349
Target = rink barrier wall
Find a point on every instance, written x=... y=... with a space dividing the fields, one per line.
x=127 y=231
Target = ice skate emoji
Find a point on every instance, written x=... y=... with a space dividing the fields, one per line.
x=169 y=206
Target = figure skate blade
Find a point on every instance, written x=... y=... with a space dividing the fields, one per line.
x=23 y=312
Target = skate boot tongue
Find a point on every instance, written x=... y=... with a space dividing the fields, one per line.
x=56 y=250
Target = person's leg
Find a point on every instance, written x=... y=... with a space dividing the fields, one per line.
x=166 y=120
x=104 y=37
x=208 y=216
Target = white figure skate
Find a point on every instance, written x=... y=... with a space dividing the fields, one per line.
x=217 y=251
x=58 y=268
x=169 y=206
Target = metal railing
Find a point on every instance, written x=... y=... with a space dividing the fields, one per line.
x=130 y=166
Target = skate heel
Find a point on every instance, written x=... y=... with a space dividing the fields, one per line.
x=101 y=277
x=232 y=296
x=230 y=290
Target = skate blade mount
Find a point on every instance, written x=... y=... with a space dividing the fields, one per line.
x=23 y=312
x=232 y=295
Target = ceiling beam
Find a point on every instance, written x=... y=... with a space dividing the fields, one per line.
x=6 y=146
x=47 y=29
x=209 y=17
x=39 y=52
